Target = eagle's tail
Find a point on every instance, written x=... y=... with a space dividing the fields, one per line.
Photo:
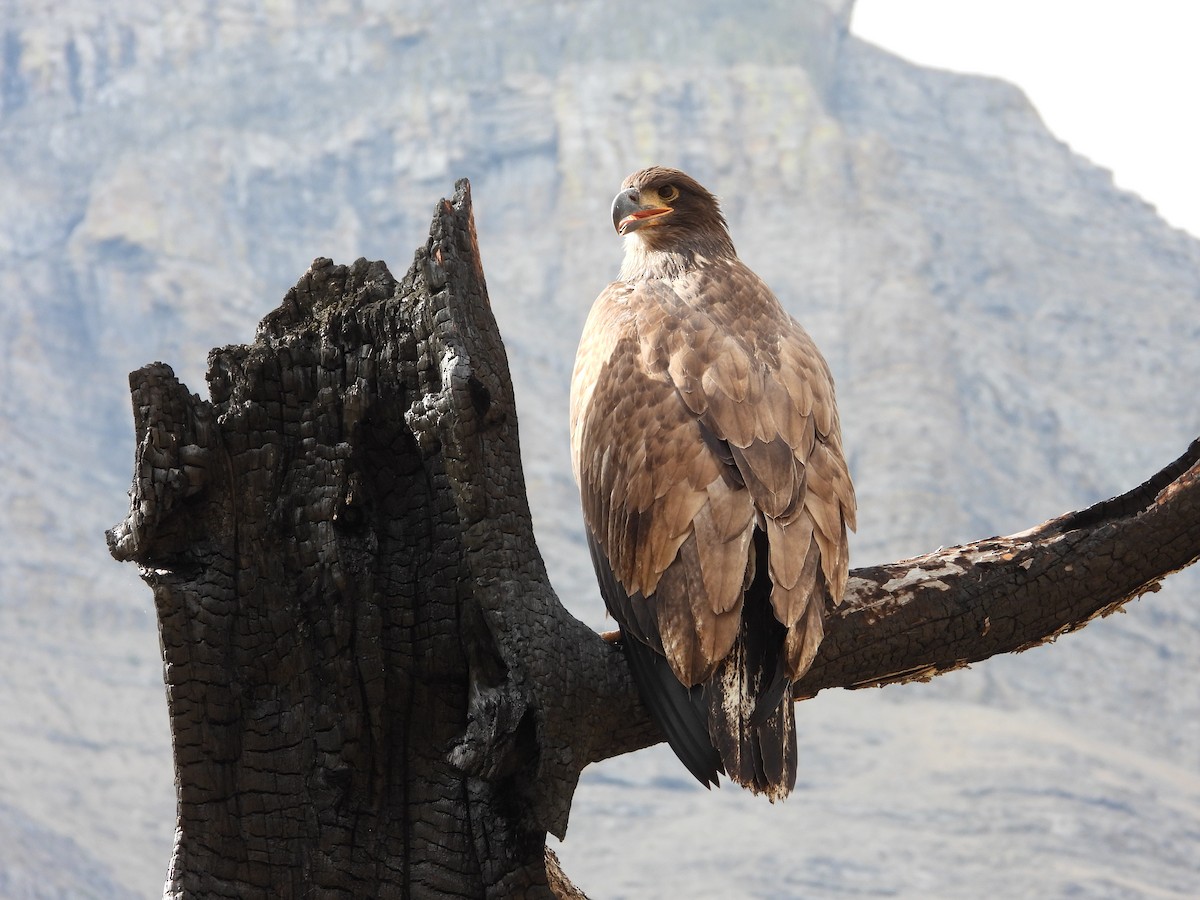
x=739 y=721
x=750 y=715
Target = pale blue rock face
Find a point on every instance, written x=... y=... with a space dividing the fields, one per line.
x=1011 y=335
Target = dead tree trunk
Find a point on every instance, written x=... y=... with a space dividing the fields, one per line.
x=373 y=690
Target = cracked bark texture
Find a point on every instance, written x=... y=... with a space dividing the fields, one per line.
x=372 y=689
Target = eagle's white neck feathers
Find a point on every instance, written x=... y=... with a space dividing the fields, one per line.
x=643 y=261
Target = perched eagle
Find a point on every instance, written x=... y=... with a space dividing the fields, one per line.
x=706 y=444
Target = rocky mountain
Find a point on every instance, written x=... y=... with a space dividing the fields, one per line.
x=1012 y=337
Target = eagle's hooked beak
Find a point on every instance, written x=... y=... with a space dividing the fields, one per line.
x=629 y=214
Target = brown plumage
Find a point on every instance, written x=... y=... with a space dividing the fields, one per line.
x=706 y=444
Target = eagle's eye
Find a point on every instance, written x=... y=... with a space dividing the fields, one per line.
x=667 y=193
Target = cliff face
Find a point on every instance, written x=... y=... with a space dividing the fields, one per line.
x=1012 y=337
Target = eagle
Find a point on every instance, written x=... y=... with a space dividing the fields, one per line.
x=716 y=498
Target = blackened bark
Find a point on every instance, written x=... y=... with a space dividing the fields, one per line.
x=372 y=688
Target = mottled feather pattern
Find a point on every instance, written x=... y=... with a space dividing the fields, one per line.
x=640 y=424
x=706 y=443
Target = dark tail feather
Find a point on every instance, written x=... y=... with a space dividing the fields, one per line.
x=772 y=695
x=773 y=743
x=750 y=702
x=758 y=751
x=681 y=712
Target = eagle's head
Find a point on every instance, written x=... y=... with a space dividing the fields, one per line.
x=668 y=211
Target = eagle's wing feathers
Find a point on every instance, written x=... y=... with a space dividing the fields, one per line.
x=669 y=511
x=764 y=396
x=654 y=496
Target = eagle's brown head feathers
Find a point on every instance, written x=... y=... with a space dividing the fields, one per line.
x=671 y=220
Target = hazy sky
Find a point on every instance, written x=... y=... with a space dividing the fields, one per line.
x=1118 y=81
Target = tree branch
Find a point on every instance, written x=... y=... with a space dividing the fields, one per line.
x=916 y=618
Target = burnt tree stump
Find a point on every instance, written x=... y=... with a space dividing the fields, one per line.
x=373 y=690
